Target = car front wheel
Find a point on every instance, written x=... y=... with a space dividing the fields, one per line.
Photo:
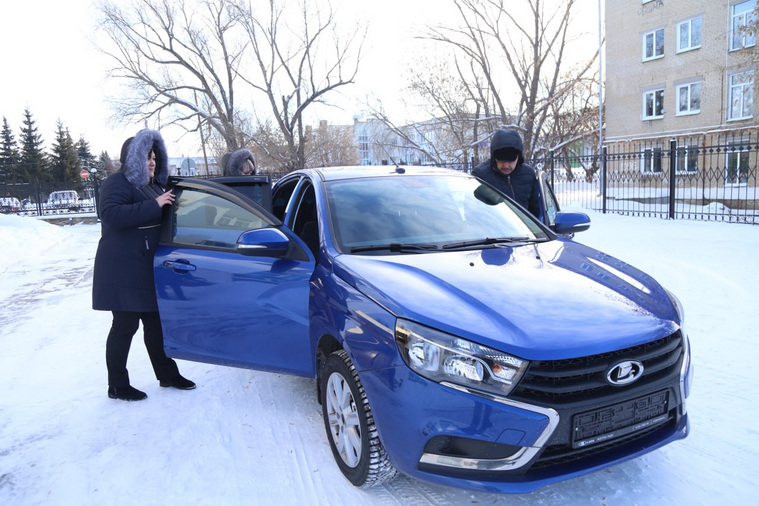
x=350 y=425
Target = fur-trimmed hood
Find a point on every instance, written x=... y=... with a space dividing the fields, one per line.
x=234 y=162
x=134 y=158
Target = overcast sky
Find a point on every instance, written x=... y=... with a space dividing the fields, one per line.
x=51 y=67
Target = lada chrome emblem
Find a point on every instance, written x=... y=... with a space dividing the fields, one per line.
x=624 y=373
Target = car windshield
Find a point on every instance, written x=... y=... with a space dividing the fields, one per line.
x=419 y=213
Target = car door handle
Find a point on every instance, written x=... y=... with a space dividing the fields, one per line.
x=179 y=266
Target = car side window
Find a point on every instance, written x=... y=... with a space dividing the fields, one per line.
x=552 y=206
x=305 y=223
x=207 y=220
x=281 y=197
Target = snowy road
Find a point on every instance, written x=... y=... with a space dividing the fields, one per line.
x=245 y=437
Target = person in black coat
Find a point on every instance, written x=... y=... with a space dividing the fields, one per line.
x=506 y=170
x=130 y=206
x=238 y=163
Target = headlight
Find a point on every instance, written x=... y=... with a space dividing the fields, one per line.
x=445 y=358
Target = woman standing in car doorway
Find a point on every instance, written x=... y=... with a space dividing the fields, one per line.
x=130 y=207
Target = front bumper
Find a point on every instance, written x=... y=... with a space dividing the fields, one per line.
x=443 y=434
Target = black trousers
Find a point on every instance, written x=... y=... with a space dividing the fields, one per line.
x=123 y=328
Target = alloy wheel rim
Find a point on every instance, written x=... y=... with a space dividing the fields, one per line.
x=343 y=420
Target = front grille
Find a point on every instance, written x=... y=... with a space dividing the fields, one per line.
x=554 y=383
x=579 y=385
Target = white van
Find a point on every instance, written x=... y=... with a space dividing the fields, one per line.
x=9 y=205
x=64 y=199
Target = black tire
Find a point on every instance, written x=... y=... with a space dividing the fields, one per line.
x=350 y=427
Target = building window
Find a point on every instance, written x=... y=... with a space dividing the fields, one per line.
x=689 y=35
x=742 y=17
x=653 y=104
x=688 y=99
x=650 y=161
x=736 y=166
x=363 y=148
x=686 y=160
x=741 y=95
x=653 y=44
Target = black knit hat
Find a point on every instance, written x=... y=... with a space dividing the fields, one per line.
x=506 y=154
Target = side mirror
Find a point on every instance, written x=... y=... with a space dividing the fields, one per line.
x=570 y=223
x=263 y=242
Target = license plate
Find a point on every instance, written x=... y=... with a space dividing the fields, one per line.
x=614 y=421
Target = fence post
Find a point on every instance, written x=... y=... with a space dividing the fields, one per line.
x=672 y=185
x=603 y=179
x=38 y=191
x=96 y=194
x=553 y=168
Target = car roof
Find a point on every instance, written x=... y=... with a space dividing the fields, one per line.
x=367 y=171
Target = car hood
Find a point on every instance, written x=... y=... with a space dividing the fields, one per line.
x=538 y=301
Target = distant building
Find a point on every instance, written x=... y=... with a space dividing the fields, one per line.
x=194 y=166
x=682 y=70
x=420 y=143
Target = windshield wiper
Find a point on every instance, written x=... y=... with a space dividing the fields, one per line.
x=489 y=241
x=395 y=247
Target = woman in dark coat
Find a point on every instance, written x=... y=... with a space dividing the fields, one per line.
x=238 y=163
x=130 y=206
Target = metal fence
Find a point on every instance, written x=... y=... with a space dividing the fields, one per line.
x=678 y=181
x=49 y=199
x=684 y=179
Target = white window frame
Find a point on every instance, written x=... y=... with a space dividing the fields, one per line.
x=686 y=159
x=741 y=16
x=654 y=55
x=740 y=96
x=363 y=147
x=653 y=93
x=737 y=154
x=651 y=160
x=690 y=89
x=688 y=25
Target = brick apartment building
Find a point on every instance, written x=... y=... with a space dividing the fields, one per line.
x=682 y=71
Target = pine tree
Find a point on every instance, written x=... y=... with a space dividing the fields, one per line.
x=105 y=165
x=86 y=158
x=33 y=162
x=9 y=156
x=64 y=165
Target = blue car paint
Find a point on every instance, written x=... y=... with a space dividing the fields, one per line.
x=420 y=409
x=226 y=311
x=588 y=309
x=280 y=311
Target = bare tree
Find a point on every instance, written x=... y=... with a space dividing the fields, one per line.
x=269 y=147
x=515 y=44
x=180 y=63
x=330 y=146
x=296 y=61
x=190 y=66
x=573 y=122
x=445 y=97
x=752 y=29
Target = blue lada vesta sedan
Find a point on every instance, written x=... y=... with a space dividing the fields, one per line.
x=453 y=337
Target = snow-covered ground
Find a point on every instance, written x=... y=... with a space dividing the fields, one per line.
x=245 y=437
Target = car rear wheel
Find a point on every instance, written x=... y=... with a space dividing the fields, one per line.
x=350 y=425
